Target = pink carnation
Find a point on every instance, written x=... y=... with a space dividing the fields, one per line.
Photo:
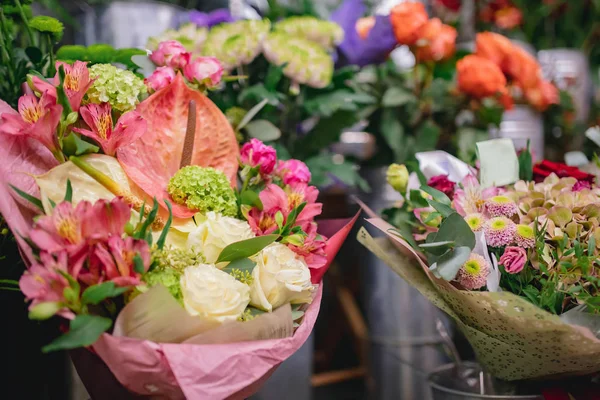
x=170 y=53
x=513 y=259
x=255 y=153
x=293 y=171
x=160 y=78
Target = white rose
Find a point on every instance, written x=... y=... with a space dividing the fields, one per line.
x=212 y=294
x=215 y=232
x=280 y=277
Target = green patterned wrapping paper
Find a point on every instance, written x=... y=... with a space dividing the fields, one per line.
x=511 y=337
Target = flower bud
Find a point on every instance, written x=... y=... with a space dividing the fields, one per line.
x=44 y=310
x=397 y=177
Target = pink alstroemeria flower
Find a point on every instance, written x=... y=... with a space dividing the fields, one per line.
x=76 y=84
x=470 y=198
x=37 y=118
x=130 y=127
x=43 y=283
x=313 y=249
x=114 y=261
x=299 y=193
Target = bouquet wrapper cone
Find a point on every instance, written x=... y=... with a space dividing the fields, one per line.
x=129 y=368
x=511 y=337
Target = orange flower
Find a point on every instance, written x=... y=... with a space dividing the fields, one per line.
x=493 y=47
x=363 y=26
x=523 y=68
x=479 y=77
x=407 y=19
x=542 y=96
x=508 y=17
x=436 y=41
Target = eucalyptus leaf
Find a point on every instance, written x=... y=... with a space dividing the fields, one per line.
x=437 y=195
x=84 y=330
x=444 y=209
x=449 y=263
x=245 y=248
x=263 y=130
x=455 y=228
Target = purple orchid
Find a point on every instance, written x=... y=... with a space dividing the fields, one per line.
x=371 y=50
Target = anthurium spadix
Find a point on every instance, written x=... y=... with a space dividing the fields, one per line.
x=156 y=156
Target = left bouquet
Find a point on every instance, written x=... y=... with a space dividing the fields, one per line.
x=130 y=218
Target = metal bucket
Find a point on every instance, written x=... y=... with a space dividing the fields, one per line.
x=467 y=381
x=402 y=322
x=522 y=124
x=123 y=23
x=569 y=70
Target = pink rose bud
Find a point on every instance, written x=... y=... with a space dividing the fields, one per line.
x=160 y=78
x=170 y=53
x=205 y=70
x=293 y=171
x=513 y=259
x=256 y=153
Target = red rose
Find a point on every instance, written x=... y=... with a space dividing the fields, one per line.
x=443 y=184
x=545 y=168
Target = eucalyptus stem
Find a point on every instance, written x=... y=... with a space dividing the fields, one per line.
x=25 y=22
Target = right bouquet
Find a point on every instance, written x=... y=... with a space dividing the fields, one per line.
x=509 y=250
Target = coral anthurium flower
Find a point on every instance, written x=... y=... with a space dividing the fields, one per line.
x=152 y=160
x=77 y=82
x=37 y=118
x=129 y=128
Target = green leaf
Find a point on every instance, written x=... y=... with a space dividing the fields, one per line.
x=526 y=164
x=246 y=248
x=34 y=54
x=417 y=200
x=259 y=92
x=326 y=132
x=74 y=145
x=242 y=264
x=442 y=208
x=397 y=96
x=339 y=100
x=141 y=233
x=69 y=192
x=84 y=330
x=32 y=199
x=45 y=310
x=263 y=130
x=447 y=266
x=98 y=293
x=427 y=136
x=393 y=134
x=163 y=235
x=63 y=100
x=274 y=74
x=437 y=195
x=251 y=198
x=252 y=113
x=138 y=264
x=454 y=228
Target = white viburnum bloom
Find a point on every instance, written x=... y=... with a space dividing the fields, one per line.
x=279 y=277
x=212 y=294
x=326 y=34
x=214 y=232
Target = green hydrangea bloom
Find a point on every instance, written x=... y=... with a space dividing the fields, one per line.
x=189 y=35
x=237 y=43
x=45 y=24
x=203 y=189
x=325 y=33
x=121 y=88
x=307 y=62
x=169 y=278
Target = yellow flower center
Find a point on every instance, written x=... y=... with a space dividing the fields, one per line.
x=294 y=199
x=104 y=126
x=31 y=114
x=66 y=228
x=71 y=82
x=472 y=267
x=498 y=224
x=266 y=222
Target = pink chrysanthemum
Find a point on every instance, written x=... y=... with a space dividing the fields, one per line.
x=473 y=274
x=525 y=236
x=500 y=206
x=499 y=232
x=476 y=221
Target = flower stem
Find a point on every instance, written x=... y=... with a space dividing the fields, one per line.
x=26 y=23
x=51 y=70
